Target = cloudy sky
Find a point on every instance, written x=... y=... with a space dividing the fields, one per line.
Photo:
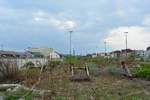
x=40 y=23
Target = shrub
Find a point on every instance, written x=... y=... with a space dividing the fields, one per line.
x=9 y=70
x=12 y=97
x=59 y=98
x=29 y=64
x=20 y=94
x=52 y=64
x=143 y=71
x=93 y=69
x=32 y=76
x=113 y=70
x=74 y=60
x=99 y=60
x=131 y=58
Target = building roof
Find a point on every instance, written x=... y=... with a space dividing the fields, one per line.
x=12 y=53
x=117 y=51
x=127 y=50
x=44 y=51
x=6 y=52
x=148 y=48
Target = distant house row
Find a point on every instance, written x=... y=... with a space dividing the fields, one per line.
x=113 y=54
x=137 y=53
x=125 y=52
x=121 y=53
x=32 y=53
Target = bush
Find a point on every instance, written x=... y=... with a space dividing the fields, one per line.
x=99 y=60
x=20 y=94
x=53 y=63
x=9 y=70
x=74 y=60
x=32 y=76
x=93 y=69
x=29 y=64
x=113 y=70
x=143 y=71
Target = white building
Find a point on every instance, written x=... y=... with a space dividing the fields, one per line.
x=44 y=52
x=140 y=53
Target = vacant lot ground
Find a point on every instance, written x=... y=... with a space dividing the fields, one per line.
x=107 y=83
x=102 y=87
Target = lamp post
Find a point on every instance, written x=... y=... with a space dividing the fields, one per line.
x=70 y=55
x=126 y=41
x=70 y=32
x=96 y=50
x=105 y=43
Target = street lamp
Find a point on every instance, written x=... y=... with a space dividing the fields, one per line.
x=105 y=43
x=70 y=32
x=96 y=50
x=126 y=41
x=70 y=55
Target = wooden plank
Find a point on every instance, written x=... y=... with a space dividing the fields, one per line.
x=87 y=69
x=72 y=70
x=80 y=76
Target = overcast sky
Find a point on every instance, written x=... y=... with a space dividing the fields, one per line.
x=40 y=23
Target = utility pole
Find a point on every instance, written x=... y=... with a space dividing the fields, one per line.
x=105 y=43
x=70 y=55
x=126 y=41
x=96 y=50
x=70 y=32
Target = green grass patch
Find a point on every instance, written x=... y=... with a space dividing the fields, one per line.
x=143 y=71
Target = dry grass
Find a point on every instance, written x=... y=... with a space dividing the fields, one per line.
x=9 y=72
x=103 y=87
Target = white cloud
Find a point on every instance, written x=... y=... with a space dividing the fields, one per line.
x=54 y=20
x=138 y=37
x=127 y=8
x=69 y=24
x=147 y=20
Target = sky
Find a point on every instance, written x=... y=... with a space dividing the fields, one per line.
x=46 y=23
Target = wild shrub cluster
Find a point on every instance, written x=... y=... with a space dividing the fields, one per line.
x=113 y=70
x=29 y=65
x=73 y=60
x=9 y=70
x=143 y=71
x=51 y=65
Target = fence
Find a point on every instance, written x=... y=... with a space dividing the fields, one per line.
x=22 y=62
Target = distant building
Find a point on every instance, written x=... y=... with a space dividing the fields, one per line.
x=102 y=54
x=115 y=54
x=139 y=53
x=126 y=52
x=11 y=54
x=44 y=53
x=147 y=54
x=121 y=53
x=93 y=55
